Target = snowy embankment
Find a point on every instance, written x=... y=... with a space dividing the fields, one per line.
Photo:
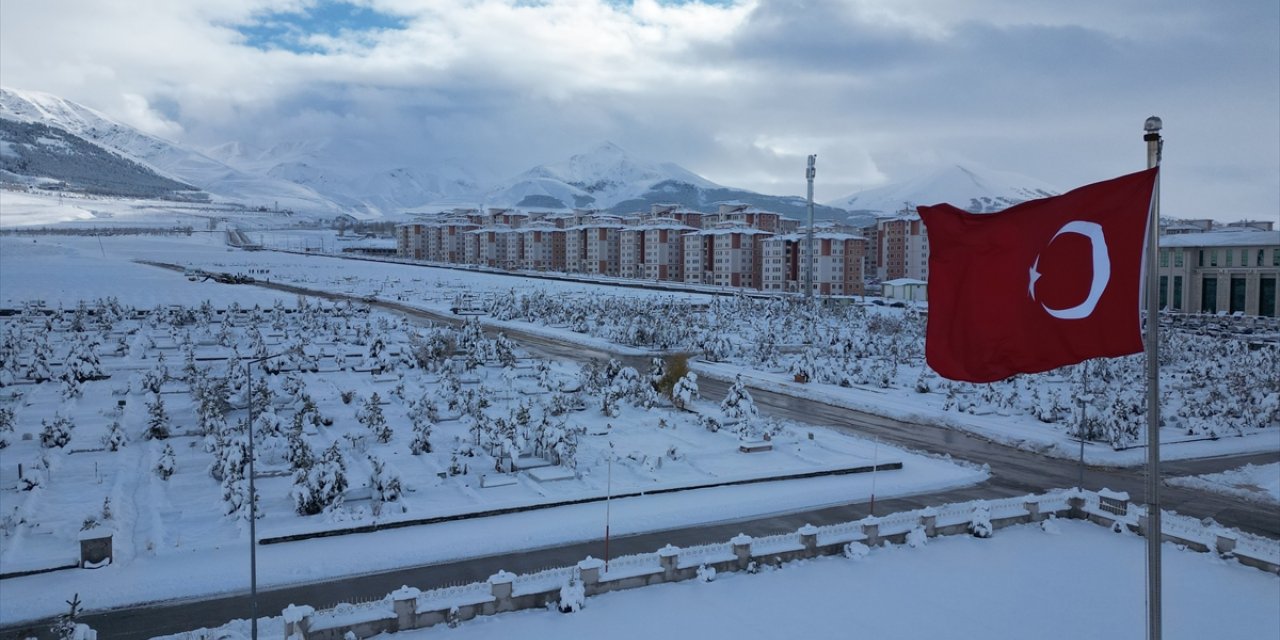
x=1025 y=581
x=1257 y=483
x=1015 y=431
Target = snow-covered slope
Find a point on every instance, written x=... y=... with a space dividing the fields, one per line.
x=334 y=170
x=167 y=158
x=969 y=187
x=609 y=178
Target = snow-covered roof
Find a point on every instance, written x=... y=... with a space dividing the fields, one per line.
x=819 y=235
x=1223 y=238
x=901 y=282
x=730 y=230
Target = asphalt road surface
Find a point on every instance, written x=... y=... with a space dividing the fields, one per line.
x=1014 y=472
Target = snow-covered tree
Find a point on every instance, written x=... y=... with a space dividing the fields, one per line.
x=738 y=404
x=321 y=486
x=115 y=437
x=157 y=419
x=6 y=426
x=300 y=455
x=421 y=442
x=56 y=433
x=384 y=481
x=370 y=415
x=685 y=391
x=167 y=463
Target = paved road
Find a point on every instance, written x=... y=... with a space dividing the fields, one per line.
x=1014 y=472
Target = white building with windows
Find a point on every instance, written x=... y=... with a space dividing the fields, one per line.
x=1233 y=270
x=837 y=264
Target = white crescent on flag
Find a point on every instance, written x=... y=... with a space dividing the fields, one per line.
x=1101 y=270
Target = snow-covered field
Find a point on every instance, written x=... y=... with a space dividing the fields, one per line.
x=1260 y=483
x=1069 y=580
x=85 y=391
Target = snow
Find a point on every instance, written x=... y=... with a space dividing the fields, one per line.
x=1258 y=483
x=170 y=537
x=1067 y=580
x=969 y=186
x=1223 y=238
x=19 y=209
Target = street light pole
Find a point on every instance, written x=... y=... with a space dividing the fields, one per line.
x=808 y=273
x=253 y=504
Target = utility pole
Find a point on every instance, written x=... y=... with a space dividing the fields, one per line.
x=1155 y=148
x=253 y=504
x=808 y=273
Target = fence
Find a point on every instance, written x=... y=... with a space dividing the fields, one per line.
x=408 y=608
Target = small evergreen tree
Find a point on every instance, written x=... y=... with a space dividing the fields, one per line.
x=384 y=481
x=167 y=463
x=6 y=426
x=157 y=419
x=56 y=433
x=421 y=437
x=738 y=404
x=115 y=437
x=685 y=391
x=370 y=415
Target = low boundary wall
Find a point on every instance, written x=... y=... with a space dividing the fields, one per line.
x=409 y=608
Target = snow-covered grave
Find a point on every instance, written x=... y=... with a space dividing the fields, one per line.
x=1023 y=562
x=363 y=419
x=1220 y=389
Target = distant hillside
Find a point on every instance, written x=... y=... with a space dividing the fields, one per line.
x=609 y=178
x=35 y=153
x=970 y=187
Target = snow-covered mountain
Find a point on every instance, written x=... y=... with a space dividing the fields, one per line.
x=166 y=158
x=969 y=187
x=327 y=167
x=609 y=178
x=32 y=153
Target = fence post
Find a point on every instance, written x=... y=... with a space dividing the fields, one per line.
x=589 y=569
x=1032 y=505
x=742 y=550
x=809 y=538
x=669 y=558
x=297 y=620
x=1226 y=542
x=404 y=602
x=871 y=530
x=500 y=586
x=929 y=520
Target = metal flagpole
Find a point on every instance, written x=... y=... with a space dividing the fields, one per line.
x=1155 y=147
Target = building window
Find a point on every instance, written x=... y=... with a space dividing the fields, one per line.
x=1177 y=293
x=1213 y=257
x=1164 y=291
x=1177 y=258
x=1200 y=263
x=1164 y=257
x=1228 y=252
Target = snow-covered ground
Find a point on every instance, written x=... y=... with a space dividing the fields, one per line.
x=1260 y=483
x=1069 y=580
x=183 y=536
x=870 y=358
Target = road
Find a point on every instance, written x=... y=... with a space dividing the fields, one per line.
x=1014 y=472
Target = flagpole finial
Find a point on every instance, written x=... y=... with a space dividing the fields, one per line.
x=1153 y=125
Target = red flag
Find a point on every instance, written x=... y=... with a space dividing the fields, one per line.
x=1040 y=285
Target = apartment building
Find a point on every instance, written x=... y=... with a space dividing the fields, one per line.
x=902 y=249
x=1233 y=270
x=727 y=255
x=837 y=264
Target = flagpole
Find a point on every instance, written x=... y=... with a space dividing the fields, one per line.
x=1155 y=146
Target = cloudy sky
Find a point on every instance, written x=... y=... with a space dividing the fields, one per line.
x=738 y=91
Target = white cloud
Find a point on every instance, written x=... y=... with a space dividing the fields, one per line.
x=740 y=92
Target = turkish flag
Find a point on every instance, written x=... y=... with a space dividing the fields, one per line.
x=1040 y=285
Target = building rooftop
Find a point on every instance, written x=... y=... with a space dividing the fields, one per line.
x=1234 y=237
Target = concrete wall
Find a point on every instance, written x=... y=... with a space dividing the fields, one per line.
x=412 y=609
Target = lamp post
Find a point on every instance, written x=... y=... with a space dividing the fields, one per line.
x=808 y=272
x=1155 y=148
x=253 y=503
